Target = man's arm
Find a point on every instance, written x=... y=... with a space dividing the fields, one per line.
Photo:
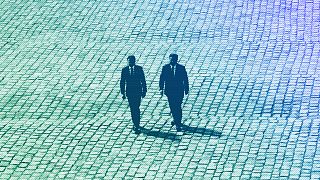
x=122 y=83
x=161 y=82
x=143 y=83
x=185 y=81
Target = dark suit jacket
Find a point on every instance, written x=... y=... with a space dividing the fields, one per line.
x=175 y=85
x=133 y=85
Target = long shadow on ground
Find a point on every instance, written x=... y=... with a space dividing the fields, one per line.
x=159 y=134
x=200 y=130
x=185 y=128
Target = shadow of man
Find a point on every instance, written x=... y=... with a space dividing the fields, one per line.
x=159 y=134
x=200 y=130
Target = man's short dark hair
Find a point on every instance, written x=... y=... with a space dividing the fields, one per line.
x=174 y=56
x=131 y=58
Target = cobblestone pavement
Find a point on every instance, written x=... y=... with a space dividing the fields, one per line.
x=252 y=111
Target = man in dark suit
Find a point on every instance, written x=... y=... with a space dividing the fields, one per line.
x=174 y=81
x=133 y=86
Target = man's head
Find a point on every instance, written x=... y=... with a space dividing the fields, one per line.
x=173 y=59
x=131 y=60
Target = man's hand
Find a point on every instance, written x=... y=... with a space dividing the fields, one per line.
x=123 y=96
x=161 y=92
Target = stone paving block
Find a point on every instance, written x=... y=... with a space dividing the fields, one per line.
x=253 y=90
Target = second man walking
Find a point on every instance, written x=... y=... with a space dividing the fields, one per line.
x=174 y=82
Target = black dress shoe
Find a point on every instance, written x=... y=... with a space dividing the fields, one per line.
x=136 y=130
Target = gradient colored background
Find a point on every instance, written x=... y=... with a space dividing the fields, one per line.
x=253 y=68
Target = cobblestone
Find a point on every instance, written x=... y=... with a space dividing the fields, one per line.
x=252 y=111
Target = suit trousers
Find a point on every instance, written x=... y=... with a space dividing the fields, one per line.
x=175 y=107
x=134 y=103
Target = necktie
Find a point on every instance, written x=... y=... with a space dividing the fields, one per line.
x=172 y=70
x=131 y=71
